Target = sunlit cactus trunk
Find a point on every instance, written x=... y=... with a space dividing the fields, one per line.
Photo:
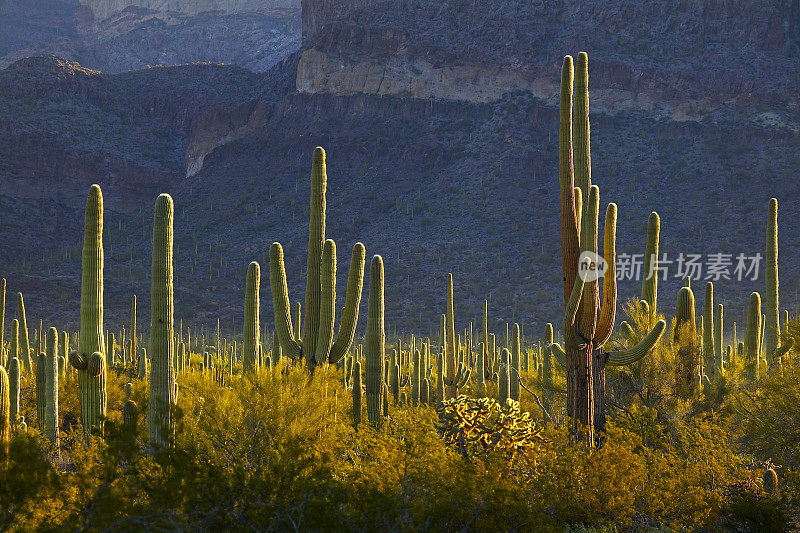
x=50 y=364
x=89 y=359
x=24 y=339
x=374 y=349
x=162 y=327
x=251 y=318
x=685 y=337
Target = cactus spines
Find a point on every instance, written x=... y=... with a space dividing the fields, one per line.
x=650 y=282
x=357 y=393
x=162 y=332
x=374 y=349
x=504 y=376
x=770 y=480
x=14 y=368
x=24 y=339
x=50 y=364
x=751 y=338
x=91 y=343
x=5 y=415
x=251 y=318
x=685 y=336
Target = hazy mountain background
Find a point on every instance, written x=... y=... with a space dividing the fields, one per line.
x=440 y=121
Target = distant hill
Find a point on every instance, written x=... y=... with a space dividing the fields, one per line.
x=695 y=115
x=121 y=35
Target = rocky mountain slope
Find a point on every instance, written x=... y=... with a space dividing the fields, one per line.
x=700 y=125
x=121 y=35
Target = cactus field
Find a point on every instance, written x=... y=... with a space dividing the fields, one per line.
x=318 y=414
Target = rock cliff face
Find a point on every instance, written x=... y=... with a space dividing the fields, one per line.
x=658 y=53
x=104 y=9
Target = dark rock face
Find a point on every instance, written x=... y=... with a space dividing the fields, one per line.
x=441 y=131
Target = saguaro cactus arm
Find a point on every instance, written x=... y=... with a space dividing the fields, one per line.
x=347 y=326
x=280 y=303
x=633 y=354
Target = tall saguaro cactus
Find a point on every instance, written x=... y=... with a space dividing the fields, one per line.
x=251 y=318
x=320 y=300
x=2 y=312
x=456 y=374
x=374 y=344
x=24 y=338
x=709 y=357
x=5 y=416
x=772 y=330
x=751 y=337
x=89 y=360
x=134 y=341
x=650 y=281
x=50 y=364
x=587 y=326
x=685 y=336
x=162 y=327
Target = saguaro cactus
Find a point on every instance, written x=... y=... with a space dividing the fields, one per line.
x=772 y=331
x=251 y=318
x=709 y=356
x=134 y=340
x=650 y=281
x=24 y=339
x=685 y=336
x=719 y=362
x=89 y=360
x=162 y=327
x=320 y=298
x=751 y=337
x=586 y=326
x=513 y=372
x=13 y=377
x=2 y=312
x=374 y=345
x=357 y=393
x=5 y=416
x=50 y=363
x=456 y=374
x=504 y=382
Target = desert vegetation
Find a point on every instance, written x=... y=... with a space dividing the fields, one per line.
x=655 y=423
